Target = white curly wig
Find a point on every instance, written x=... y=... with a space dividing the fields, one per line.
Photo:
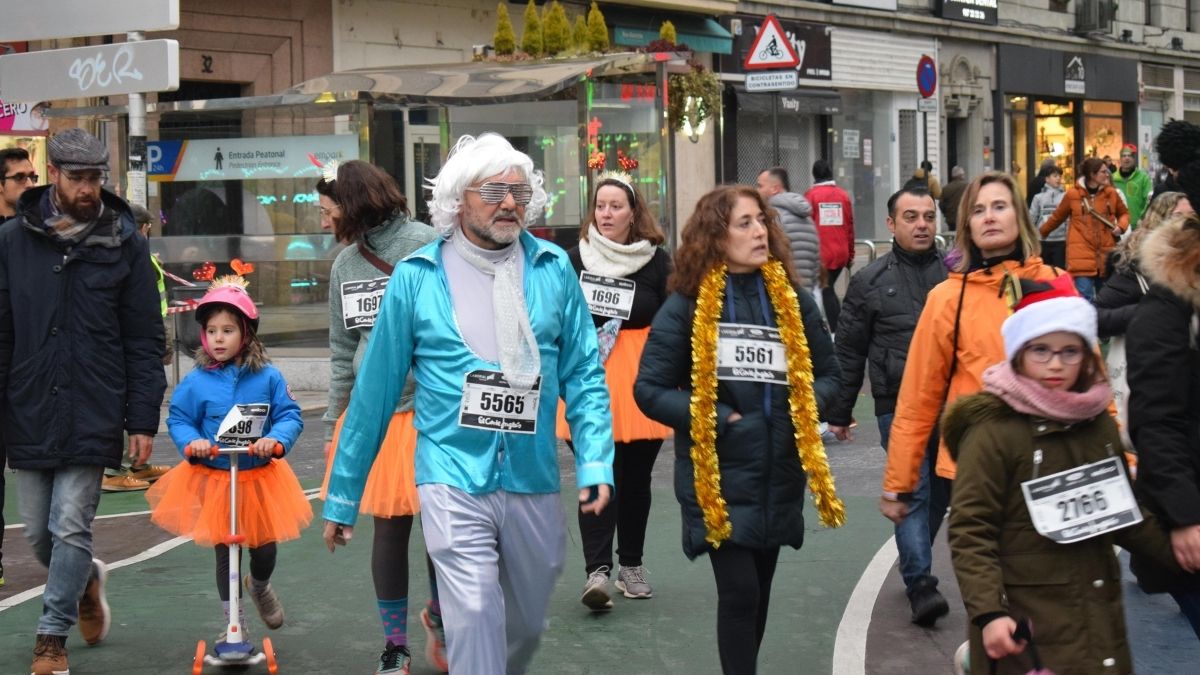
x=474 y=158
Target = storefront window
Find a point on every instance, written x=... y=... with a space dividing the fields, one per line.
x=1055 y=137
x=862 y=159
x=236 y=189
x=1103 y=129
x=1018 y=103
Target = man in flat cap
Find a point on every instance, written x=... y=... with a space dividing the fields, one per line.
x=81 y=347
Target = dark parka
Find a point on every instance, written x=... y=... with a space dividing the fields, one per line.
x=1164 y=376
x=1072 y=592
x=878 y=318
x=1117 y=300
x=761 y=477
x=81 y=338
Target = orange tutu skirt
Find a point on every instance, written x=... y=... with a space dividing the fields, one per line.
x=391 y=486
x=192 y=500
x=620 y=371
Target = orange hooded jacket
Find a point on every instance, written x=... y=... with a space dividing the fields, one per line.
x=1089 y=239
x=924 y=390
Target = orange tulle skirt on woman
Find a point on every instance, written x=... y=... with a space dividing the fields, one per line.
x=620 y=371
x=192 y=500
x=391 y=486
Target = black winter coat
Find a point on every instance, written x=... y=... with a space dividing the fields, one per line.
x=762 y=480
x=1116 y=302
x=81 y=338
x=1164 y=381
x=879 y=315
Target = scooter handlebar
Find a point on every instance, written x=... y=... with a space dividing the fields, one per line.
x=214 y=450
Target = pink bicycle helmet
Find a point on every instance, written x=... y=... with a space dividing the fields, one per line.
x=228 y=292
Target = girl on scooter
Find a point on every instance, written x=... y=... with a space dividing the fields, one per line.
x=233 y=398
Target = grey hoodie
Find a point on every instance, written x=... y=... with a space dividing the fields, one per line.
x=795 y=216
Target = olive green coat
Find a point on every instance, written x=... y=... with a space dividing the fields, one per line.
x=1071 y=592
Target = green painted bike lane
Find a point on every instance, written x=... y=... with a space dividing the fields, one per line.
x=163 y=605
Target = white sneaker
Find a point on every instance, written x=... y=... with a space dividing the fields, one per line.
x=595 y=591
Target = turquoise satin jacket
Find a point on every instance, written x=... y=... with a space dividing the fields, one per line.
x=416 y=329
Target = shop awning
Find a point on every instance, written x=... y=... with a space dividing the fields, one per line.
x=700 y=33
x=470 y=83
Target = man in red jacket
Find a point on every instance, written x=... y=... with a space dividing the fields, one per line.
x=835 y=225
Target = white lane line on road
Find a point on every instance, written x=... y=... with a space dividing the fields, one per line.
x=310 y=493
x=152 y=552
x=850 y=645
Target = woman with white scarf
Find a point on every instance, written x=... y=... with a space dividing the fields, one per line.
x=624 y=274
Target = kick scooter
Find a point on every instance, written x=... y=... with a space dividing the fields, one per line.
x=234 y=650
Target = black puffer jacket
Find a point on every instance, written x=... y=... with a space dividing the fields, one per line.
x=1117 y=300
x=762 y=480
x=878 y=318
x=1164 y=381
x=81 y=338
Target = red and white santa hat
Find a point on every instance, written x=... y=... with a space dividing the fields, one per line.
x=1048 y=307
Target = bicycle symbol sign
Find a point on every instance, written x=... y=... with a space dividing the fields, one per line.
x=771 y=48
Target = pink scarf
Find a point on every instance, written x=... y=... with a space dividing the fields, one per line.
x=1027 y=396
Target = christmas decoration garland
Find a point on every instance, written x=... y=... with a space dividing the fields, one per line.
x=801 y=402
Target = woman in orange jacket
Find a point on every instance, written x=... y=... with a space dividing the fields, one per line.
x=1098 y=217
x=958 y=334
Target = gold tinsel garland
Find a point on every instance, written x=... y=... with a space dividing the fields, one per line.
x=801 y=402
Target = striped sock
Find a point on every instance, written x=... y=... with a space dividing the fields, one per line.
x=394 y=615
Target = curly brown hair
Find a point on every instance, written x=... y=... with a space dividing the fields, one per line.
x=368 y=197
x=643 y=227
x=704 y=236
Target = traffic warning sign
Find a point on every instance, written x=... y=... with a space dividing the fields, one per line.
x=771 y=48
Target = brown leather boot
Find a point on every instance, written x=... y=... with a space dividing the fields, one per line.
x=50 y=656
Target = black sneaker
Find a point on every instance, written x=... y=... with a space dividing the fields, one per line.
x=927 y=603
x=395 y=660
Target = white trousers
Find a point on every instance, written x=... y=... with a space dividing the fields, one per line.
x=497 y=557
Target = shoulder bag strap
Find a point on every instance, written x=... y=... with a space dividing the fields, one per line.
x=379 y=263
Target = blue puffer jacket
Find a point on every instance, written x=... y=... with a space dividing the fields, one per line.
x=416 y=329
x=204 y=397
x=81 y=338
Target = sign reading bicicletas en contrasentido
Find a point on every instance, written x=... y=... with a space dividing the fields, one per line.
x=247 y=158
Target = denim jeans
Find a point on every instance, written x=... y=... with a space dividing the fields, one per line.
x=58 y=506
x=926 y=509
x=1088 y=287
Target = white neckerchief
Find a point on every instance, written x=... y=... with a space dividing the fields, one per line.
x=519 y=357
x=607 y=257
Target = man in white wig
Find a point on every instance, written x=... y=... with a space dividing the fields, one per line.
x=495 y=328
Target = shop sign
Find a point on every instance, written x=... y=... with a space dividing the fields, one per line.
x=771 y=80
x=247 y=158
x=810 y=41
x=971 y=11
x=102 y=70
x=1074 y=74
x=22 y=118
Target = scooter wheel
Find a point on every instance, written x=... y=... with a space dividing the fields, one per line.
x=269 y=650
x=198 y=659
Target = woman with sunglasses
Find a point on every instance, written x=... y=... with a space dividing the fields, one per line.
x=367 y=211
x=623 y=273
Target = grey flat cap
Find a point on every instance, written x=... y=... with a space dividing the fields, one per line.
x=77 y=150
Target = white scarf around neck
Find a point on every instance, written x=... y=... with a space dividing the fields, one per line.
x=520 y=359
x=607 y=257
